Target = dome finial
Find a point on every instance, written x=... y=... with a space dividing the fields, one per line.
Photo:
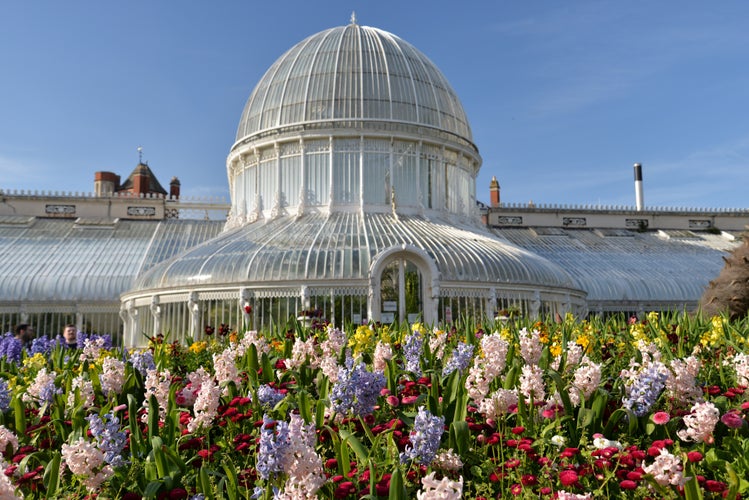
x=353 y=17
x=140 y=154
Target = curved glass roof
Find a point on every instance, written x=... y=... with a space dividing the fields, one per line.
x=62 y=260
x=341 y=246
x=629 y=266
x=353 y=73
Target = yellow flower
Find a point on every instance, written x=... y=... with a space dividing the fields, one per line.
x=544 y=337
x=385 y=334
x=506 y=334
x=361 y=340
x=35 y=362
x=198 y=347
x=637 y=330
x=715 y=334
x=555 y=349
x=277 y=345
x=583 y=341
x=418 y=327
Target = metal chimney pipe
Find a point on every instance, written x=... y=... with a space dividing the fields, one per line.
x=639 y=201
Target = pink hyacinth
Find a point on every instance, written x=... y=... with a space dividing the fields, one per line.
x=700 y=423
x=206 y=402
x=112 y=377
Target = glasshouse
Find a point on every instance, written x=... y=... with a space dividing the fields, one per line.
x=353 y=191
x=353 y=199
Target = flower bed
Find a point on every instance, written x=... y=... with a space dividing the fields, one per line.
x=601 y=409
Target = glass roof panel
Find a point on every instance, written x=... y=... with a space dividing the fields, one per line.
x=58 y=260
x=642 y=266
x=353 y=72
x=340 y=246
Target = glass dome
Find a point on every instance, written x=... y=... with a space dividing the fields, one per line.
x=352 y=117
x=355 y=74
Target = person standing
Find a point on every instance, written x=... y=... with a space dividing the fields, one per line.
x=70 y=334
x=24 y=334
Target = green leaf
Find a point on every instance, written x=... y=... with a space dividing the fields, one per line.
x=52 y=475
x=232 y=489
x=268 y=372
x=153 y=417
x=158 y=457
x=459 y=437
x=649 y=428
x=568 y=408
x=361 y=452
x=734 y=483
x=20 y=414
x=305 y=406
x=614 y=420
x=344 y=462
x=174 y=457
x=692 y=490
x=254 y=366
x=136 y=438
x=205 y=484
x=397 y=487
x=320 y=414
x=152 y=489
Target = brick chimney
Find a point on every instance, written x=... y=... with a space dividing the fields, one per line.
x=141 y=180
x=494 y=193
x=105 y=183
x=174 y=185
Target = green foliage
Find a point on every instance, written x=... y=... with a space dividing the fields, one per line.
x=519 y=450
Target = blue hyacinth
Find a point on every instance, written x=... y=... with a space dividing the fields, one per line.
x=143 y=362
x=269 y=396
x=645 y=389
x=83 y=337
x=273 y=443
x=5 y=395
x=356 y=390
x=460 y=360
x=48 y=392
x=43 y=345
x=412 y=352
x=425 y=438
x=109 y=438
x=10 y=348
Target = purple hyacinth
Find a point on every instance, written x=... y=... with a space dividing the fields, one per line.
x=425 y=438
x=460 y=360
x=412 y=350
x=43 y=345
x=109 y=438
x=10 y=348
x=356 y=390
x=273 y=443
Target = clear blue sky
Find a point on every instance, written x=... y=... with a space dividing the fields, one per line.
x=563 y=97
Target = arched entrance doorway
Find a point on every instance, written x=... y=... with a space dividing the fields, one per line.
x=401 y=292
x=403 y=286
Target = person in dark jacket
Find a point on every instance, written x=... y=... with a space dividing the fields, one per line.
x=70 y=334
